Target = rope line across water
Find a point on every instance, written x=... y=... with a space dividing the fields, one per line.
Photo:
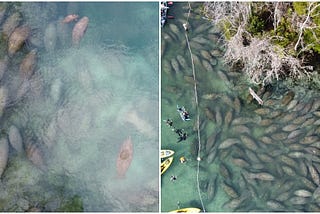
x=198 y=112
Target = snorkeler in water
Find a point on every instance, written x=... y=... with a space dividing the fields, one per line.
x=182 y=159
x=179 y=131
x=169 y=122
x=173 y=178
x=182 y=137
x=183 y=113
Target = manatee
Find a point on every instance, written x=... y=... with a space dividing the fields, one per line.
x=79 y=30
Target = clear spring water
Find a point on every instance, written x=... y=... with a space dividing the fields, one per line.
x=225 y=180
x=79 y=111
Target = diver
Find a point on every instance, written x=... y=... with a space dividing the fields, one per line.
x=183 y=113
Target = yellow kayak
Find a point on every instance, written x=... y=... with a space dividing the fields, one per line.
x=186 y=210
x=166 y=153
x=165 y=164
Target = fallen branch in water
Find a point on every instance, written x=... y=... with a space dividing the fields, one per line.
x=255 y=96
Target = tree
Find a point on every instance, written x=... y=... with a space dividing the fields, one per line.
x=265 y=53
x=309 y=30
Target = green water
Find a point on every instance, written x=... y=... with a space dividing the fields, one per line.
x=272 y=165
x=83 y=103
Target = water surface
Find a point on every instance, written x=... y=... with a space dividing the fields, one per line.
x=253 y=157
x=83 y=103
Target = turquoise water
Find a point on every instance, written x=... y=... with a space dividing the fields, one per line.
x=253 y=158
x=82 y=103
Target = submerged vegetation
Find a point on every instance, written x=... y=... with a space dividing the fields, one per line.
x=270 y=40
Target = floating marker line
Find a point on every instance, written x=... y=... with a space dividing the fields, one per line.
x=198 y=112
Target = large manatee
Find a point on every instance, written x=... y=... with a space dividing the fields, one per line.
x=28 y=64
x=124 y=158
x=4 y=151
x=50 y=37
x=17 y=39
x=79 y=29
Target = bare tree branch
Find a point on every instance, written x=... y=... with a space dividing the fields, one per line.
x=262 y=60
x=280 y=8
x=304 y=24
